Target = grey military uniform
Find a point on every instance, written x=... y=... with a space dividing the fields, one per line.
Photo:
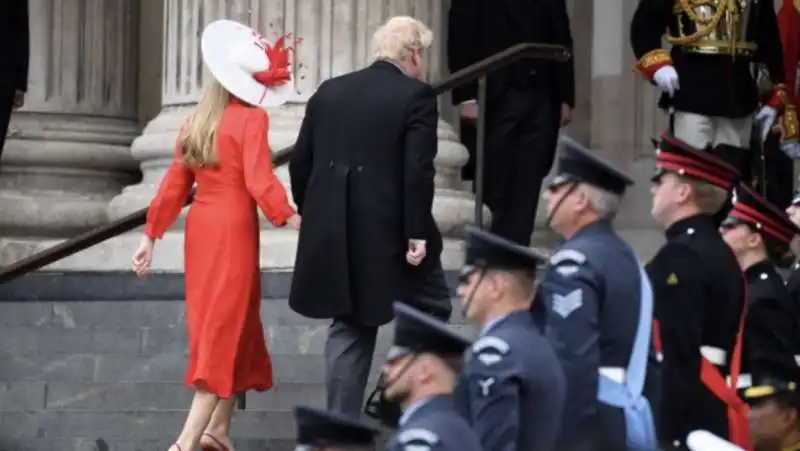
x=512 y=388
x=434 y=425
x=590 y=297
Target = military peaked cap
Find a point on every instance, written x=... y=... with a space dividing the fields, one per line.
x=316 y=427
x=752 y=209
x=577 y=164
x=489 y=251
x=674 y=155
x=769 y=387
x=417 y=332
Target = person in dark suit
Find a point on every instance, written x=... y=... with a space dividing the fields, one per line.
x=419 y=375
x=526 y=102
x=362 y=177
x=512 y=388
x=14 y=55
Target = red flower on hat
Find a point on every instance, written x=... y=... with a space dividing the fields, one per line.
x=279 y=72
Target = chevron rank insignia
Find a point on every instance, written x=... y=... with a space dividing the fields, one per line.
x=417 y=439
x=564 y=305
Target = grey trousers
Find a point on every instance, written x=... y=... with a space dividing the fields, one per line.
x=350 y=347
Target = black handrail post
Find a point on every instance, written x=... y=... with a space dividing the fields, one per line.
x=480 y=149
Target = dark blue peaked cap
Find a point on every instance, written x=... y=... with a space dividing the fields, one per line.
x=317 y=427
x=416 y=332
x=577 y=164
x=489 y=251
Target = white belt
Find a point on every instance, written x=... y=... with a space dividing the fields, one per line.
x=616 y=374
x=716 y=356
x=743 y=381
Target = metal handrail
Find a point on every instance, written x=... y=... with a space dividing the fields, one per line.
x=477 y=71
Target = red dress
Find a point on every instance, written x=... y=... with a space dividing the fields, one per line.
x=227 y=352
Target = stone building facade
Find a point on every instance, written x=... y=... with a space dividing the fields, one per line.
x=110 y=82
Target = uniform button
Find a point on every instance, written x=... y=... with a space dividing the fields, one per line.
x=690 y=231
x=764 y=276
x=330 y=164
x=360 y=168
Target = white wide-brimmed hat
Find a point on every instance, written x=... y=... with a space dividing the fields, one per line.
x=235 y=54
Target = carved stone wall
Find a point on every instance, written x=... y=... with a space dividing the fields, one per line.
x=67 y=151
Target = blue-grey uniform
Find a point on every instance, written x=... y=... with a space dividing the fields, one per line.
x=432 y=422
x=512 y=388
x=589 y=306
x=320 y=428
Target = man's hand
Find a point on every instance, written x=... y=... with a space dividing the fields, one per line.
x=19 y=99
x=566 y=115
x=666 y=78
x=765 y=119
x=294 y=221
x=468 y=110
x=416 y=252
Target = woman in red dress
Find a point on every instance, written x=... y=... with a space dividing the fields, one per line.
x=223 y=149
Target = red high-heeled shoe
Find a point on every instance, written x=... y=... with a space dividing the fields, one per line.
x=213 y=448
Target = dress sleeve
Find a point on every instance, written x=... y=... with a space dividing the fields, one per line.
x=259 y=176
x=170 y=197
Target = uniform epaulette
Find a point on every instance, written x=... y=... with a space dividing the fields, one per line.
x=490 y=350
x=417 y=439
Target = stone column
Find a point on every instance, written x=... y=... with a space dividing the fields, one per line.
x=336 y=40
x=67 y=152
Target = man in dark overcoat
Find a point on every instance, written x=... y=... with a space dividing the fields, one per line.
x=14 y=52
x=526 y=103
x=363 y=179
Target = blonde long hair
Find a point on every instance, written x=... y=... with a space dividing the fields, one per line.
x=197 y=139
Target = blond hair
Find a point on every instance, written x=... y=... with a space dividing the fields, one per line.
x=708 y=198
x=197 y=138
x=400 y=37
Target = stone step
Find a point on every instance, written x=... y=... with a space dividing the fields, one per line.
x=107 y=374
x=29 y=396
x=135 y=424
x=100 y=444
x=125 y=286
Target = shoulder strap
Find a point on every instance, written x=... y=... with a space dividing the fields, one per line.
x=637 y=365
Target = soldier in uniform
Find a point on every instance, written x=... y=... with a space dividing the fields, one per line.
x=419 y=376
x=706 y=78
x=512 y=388
x=775 y=411
x=320 y=430
x=699 y=296
x=793 y=282
x=597 y=303
x=759 y=233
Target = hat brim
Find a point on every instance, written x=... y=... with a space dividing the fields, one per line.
x=218 y=39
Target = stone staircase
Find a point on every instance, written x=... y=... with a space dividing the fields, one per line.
x=96 y=363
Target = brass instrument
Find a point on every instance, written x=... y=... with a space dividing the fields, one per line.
x=712 y=26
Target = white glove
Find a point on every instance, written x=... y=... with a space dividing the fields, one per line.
x=705 y=441
x=791 y=149
x=765 y=119
x=667 y=79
